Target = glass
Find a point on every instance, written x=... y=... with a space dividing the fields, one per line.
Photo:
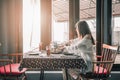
x=76 y=51
x=48 y=50
x=40 y=46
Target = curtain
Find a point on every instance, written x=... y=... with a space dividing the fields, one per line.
x=31 y=25
x=10 y=26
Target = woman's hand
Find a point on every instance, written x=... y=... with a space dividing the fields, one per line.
x=68 y=43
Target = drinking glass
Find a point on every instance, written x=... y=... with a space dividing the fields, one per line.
x=48 y=50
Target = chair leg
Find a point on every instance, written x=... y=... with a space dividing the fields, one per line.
x=4 y=78
x=24 y=77
x=17 y=78
x=79 y=78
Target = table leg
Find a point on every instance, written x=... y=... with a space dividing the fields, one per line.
x=66 y=73
x=42 y=74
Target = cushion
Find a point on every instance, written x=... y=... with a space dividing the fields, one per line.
x=96 y=74
x=14 y=69
x=100 y=70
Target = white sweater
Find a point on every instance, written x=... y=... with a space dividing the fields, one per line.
x=83 y=48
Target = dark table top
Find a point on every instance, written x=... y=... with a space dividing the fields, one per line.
x=53 y=62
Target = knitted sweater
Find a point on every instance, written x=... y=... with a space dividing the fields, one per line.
x=83 y=48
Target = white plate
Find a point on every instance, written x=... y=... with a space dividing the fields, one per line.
x=68 y=53
x=33 y=53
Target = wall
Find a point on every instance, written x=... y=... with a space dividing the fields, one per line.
x=10 y=26
x=46 y=18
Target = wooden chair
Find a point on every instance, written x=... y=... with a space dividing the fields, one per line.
x=10 y=70
x=102 y=68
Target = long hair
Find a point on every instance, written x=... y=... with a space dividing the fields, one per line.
x=83 y=29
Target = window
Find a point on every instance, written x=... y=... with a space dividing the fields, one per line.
x=88 y=13
x=92 y=25
x=60 y=32
x=60 y=20
x=115 y=22
x=31 y=24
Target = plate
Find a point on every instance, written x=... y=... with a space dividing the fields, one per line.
x=33 y=53
x=68 y=53
x=56 y=52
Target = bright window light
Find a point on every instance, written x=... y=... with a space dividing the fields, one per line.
x=60 y=31
x=31 y=24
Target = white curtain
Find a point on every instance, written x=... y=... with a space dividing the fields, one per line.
x=31 y=24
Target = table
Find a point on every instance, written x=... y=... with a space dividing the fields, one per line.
x=52 y=62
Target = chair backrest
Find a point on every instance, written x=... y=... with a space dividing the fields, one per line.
x=17 y=57
x=107 y=60
x=10 y=70
x=4 y=62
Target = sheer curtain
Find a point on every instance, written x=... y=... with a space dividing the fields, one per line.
x=31 y=24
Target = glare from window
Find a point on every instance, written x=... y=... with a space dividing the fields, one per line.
x=60 y=31
x=117 y=22
x=31 y=24
x=92 y=24
x=116 y=30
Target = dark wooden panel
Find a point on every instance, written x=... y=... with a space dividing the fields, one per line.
x=46 y=22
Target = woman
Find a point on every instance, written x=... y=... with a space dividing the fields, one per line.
x=83 y=45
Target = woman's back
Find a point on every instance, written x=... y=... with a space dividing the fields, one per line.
x=85 y=48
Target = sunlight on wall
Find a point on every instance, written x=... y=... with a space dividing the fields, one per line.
x=31 y=24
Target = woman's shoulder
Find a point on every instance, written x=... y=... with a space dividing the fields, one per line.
x=86 y=39
x=87 y=36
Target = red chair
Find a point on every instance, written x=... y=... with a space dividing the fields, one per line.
x=10 y=70
x=102 y=68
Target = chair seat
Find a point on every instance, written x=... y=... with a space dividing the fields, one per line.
x=105 y=61
x=101 y=70
x=14 y=69
x=96 y=73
